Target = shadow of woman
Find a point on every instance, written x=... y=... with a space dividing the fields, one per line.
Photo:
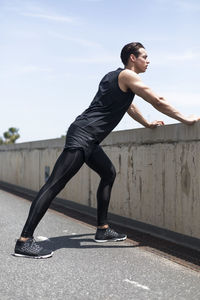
x=80 y=241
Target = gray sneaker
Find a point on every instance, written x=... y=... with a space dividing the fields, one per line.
x=31 y=249
x=108 y=234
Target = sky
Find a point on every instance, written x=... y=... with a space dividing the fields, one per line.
x=54 y=53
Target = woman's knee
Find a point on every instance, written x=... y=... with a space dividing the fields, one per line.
x=110 y=175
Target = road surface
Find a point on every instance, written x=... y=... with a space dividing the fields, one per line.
x=81 y=268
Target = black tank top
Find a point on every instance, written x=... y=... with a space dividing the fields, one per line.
x=107 y=108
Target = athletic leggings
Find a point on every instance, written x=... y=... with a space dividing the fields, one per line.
x=67 y=165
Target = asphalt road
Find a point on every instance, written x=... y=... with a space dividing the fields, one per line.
x=81 y=268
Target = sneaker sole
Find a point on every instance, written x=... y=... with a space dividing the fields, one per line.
x=111 y=240
x=31 y=256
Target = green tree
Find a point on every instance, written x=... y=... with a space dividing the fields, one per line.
x=10 y=136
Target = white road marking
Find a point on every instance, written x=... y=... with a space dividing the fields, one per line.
x=65 y=230
x=73 y=233
x=42 y=238
x=144 y=287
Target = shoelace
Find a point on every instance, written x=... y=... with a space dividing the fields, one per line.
x=111 y=232
x=35 y=244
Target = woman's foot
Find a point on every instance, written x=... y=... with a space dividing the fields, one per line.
x=108 y=234
x=30 y=248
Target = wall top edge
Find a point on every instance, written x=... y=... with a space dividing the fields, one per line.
x=165 y=134
x=42 y=144
x=172 y=133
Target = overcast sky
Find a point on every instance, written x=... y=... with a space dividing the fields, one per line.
x=54 y=53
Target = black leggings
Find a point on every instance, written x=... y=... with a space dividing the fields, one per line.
x=67 y=165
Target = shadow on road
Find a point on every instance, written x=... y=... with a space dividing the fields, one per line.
x=80 y=241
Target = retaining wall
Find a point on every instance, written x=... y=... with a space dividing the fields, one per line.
x=158 y=175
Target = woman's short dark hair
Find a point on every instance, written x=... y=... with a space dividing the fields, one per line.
x=127 y=50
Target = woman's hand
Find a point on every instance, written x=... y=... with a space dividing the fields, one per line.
x=155 y=124
x=191 y=120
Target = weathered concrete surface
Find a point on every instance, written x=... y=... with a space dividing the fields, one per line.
x=81 y=269
x=158 y=174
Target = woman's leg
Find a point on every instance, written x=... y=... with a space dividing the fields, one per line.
x=101 y=164
x=67 y=165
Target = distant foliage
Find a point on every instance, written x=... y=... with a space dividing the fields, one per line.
x=10 y=136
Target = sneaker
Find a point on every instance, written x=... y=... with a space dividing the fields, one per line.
x=108 y=234
x=31 y=248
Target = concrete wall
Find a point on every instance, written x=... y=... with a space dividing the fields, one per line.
x=158 y=174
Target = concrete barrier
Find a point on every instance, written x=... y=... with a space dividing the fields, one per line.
x=158 y=176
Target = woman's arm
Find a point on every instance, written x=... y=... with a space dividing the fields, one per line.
x=133 y=82
x=134 y=112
